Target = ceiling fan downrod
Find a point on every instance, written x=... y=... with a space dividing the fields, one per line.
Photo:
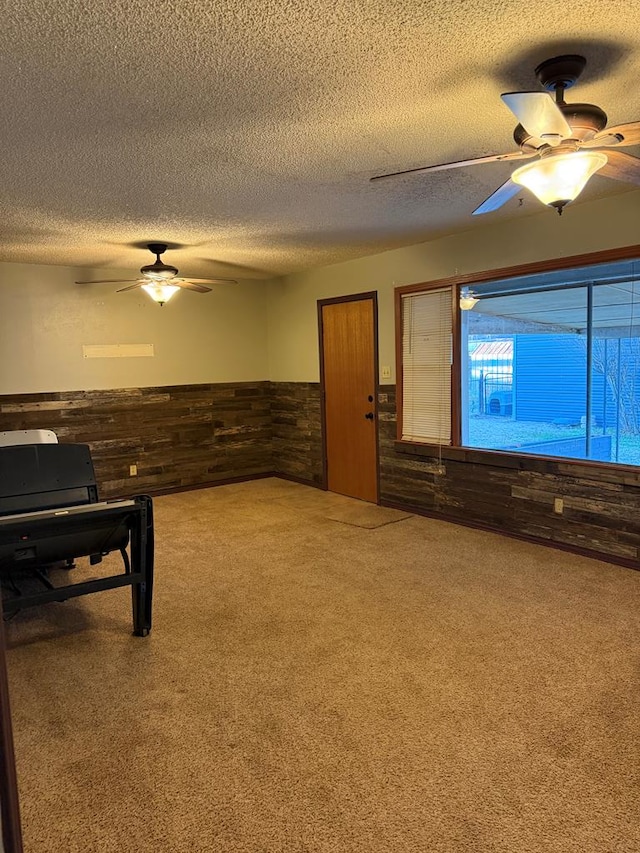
x=158 y=269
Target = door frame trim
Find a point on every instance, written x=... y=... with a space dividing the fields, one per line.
x=352 y=297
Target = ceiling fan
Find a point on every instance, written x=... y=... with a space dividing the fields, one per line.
x=566 y=140
x=161 y=280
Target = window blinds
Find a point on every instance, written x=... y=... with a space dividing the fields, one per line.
x=426 y=366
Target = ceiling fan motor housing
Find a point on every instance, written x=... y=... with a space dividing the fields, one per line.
x=159 y=270
x=585 y=121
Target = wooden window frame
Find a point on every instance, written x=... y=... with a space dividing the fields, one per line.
x=455 y=450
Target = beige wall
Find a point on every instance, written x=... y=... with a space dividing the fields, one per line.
x=45 y=319
x=255 y=330
x=293 y=336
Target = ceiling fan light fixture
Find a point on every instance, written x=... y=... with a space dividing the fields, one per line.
x=467 y=299
x=558 y=179
x=159 y=292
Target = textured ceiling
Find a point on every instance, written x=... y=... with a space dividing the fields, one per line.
x=246 y=131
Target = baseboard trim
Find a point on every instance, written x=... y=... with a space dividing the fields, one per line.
x=626 y=562
x=227 y=481
x=301 y=480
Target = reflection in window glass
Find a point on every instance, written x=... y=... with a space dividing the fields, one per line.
x=551 y=365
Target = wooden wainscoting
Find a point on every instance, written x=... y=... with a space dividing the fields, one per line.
x=178 y=436
x=195 y=435
x=297 y=431
x=515 y=496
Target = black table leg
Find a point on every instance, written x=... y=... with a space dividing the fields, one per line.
x=142 y=551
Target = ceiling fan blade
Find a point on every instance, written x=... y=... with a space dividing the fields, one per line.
x=131 y=287
x=603 y=140
x=211 y=280
x=490 y=158
x=189 y=285
x=630 y=134
x=498 y=198
x=621 y=167
x=539 y=114
x=107 y=281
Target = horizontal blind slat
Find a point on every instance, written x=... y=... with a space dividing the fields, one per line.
x=426 y=367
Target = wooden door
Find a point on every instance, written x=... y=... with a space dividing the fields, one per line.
x=349 y=372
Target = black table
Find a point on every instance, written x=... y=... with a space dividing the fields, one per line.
x=31 y=540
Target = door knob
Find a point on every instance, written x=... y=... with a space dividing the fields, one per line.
x=369 y=416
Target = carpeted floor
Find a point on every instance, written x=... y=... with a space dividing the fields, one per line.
x=325 y=676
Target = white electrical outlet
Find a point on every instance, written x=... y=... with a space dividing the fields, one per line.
x=558 y=505
x=386 y=372
x=133 y=470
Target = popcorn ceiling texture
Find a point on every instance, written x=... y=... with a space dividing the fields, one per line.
x=247 y=131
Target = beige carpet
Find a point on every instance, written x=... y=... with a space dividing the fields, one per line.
x=319 y=687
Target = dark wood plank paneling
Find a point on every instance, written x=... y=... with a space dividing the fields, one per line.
x=199 y=434
x=515 y=495
x=179 y=436
x=297 y=430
